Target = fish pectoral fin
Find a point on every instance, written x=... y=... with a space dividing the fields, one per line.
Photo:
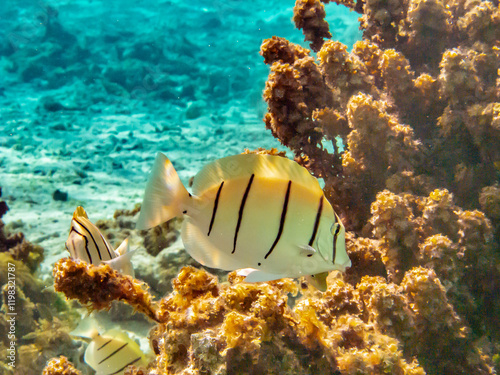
x=122 y=263
x=254 y=276
x=306 y=250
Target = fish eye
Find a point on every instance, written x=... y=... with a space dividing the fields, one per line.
x=334 y=227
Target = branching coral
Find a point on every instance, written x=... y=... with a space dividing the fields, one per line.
x=376 y=327
x=309 y=15
x=418 y=92
x=98 y=286
x=415 y=105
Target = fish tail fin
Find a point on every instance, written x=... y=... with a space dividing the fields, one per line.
x=123 y=248
x=122 y=264
x=88 y=327
x=165 y=196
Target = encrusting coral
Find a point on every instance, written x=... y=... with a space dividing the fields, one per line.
x=244 y=328
x=60 y=366
x=98 y=286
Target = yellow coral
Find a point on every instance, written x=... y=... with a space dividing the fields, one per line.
x=98 y=286
x=244 y=332
x=60 y=366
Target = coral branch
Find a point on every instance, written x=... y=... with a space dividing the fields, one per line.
x=98 y=286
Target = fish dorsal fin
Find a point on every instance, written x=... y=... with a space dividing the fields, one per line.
x=247 y=164
x=80 y=212
x=116 y=334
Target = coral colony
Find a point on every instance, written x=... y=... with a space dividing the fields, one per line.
x=415 y=182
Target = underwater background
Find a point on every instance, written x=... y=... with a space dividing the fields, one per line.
x=393 y=105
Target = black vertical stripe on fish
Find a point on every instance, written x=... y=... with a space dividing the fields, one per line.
x=335 y=241
x=86 y=244
x=316 y=221
x=112 y=354
x=103 y=345
x=214 y=212
x=124 y=367
x=282 y=219
x=240 y=213
x=110 y=251
x=91 y=236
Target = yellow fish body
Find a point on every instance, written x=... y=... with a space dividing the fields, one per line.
x=112 y=352
x=86 y=242
x=263 y=214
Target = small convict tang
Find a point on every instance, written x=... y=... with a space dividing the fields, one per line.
x=112 y=352
x=87 y=243
x=264 y=215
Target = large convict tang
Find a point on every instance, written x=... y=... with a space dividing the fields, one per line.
x=86 y=242
x=263 y=214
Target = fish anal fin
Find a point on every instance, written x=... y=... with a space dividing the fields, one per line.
x=245 y=271
x=259 y=276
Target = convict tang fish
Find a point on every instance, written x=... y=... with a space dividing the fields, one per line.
x=112 y=352
x=86 y=242
x=262 y=214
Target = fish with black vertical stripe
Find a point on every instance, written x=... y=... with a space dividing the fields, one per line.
x=86 y=242
x=112 y=352
x=263 y=215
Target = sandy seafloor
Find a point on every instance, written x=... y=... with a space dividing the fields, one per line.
x=85 y=110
